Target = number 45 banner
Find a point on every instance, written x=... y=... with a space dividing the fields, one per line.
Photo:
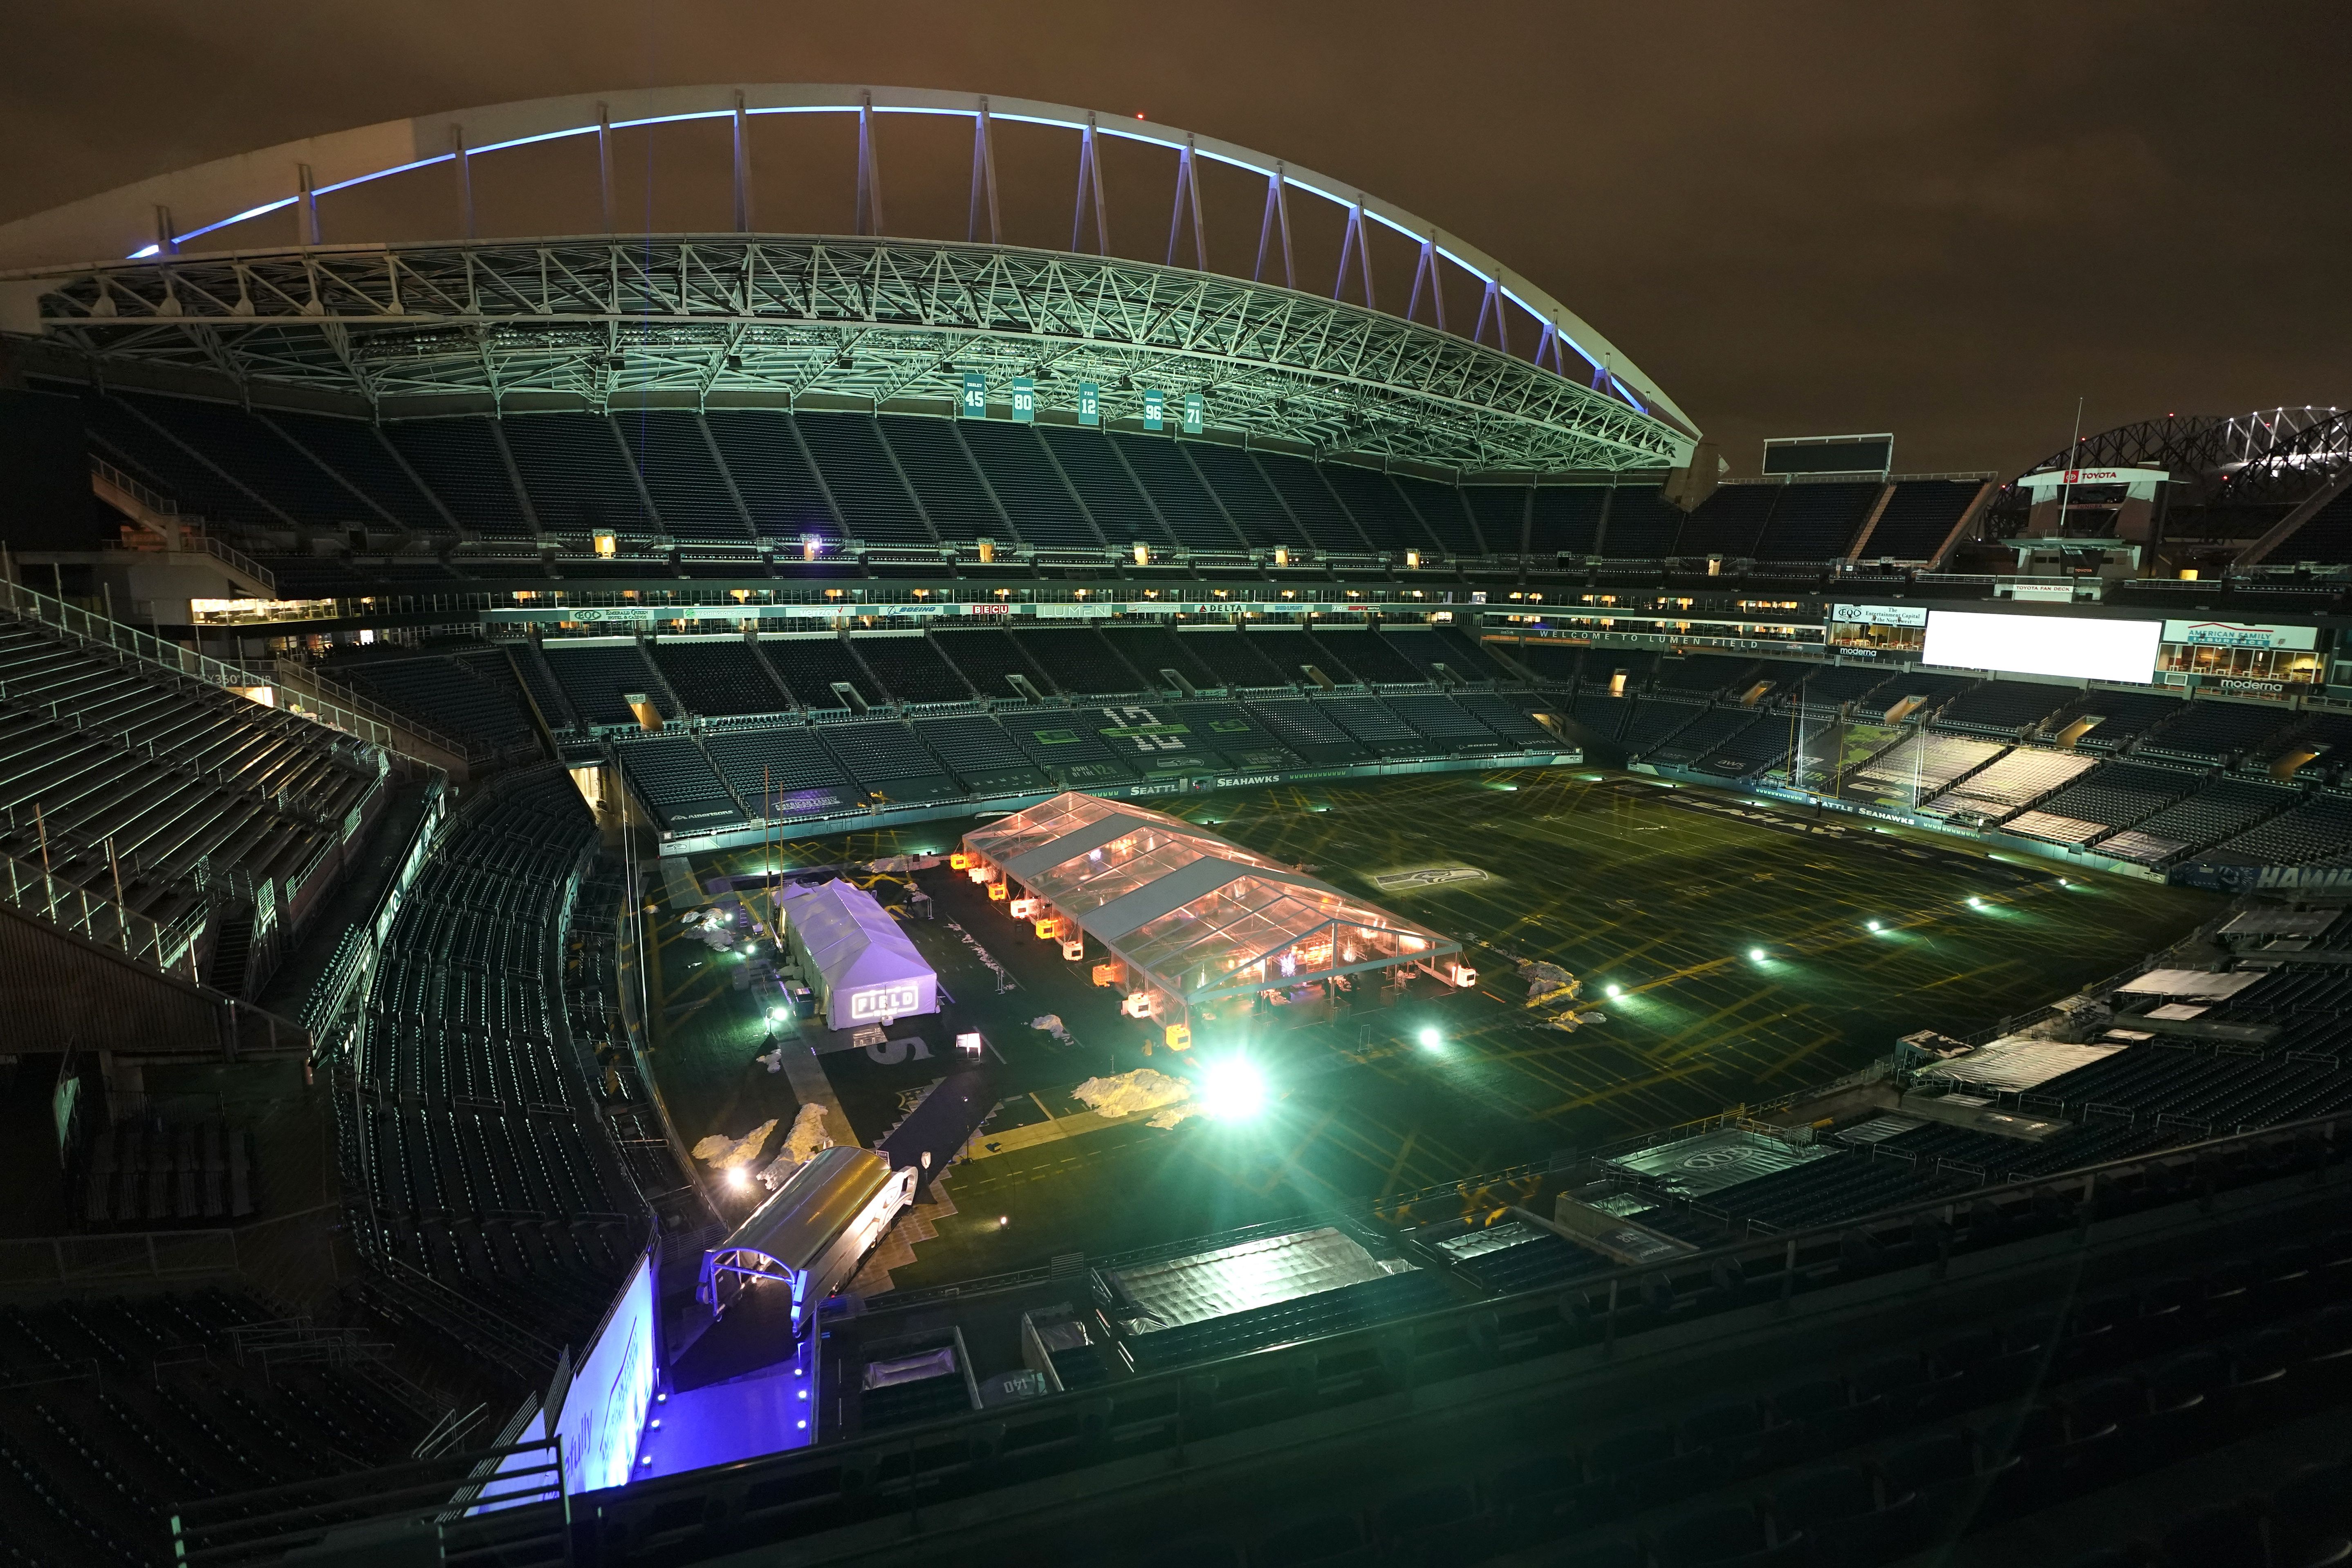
x=974 y=405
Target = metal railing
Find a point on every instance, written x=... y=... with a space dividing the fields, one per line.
x=92 y=628
x=505 y=1505
x=96 y=918
x=182 y=533
x=310 y=681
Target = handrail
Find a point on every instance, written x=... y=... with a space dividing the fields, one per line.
x=181 y=533
x=341 y=695
x=89 y=627
x=70 y=907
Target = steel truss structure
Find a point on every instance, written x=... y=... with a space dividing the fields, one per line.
x=752 y=320
x=2234 y=473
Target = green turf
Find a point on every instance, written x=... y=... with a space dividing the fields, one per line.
x=1607 y=877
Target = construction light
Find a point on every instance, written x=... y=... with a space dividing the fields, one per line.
x=1974 y=904
x=1431 y=1039
x=1873 y=925
x=739 y=1178
x=1757 y=955
x=1232 y=1090
x=1616 y=992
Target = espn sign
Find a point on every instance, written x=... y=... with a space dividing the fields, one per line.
x=889 y=1001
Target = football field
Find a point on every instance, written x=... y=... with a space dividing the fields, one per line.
x=1728 y=945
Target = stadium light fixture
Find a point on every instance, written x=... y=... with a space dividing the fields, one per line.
x=1232 y=1090
x=739 y=1178
x=1757 y=955
x=1431 y=1039
x=1873 y=925
x=1616 y=992
x=1975 y=902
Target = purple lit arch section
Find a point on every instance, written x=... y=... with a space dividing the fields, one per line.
x=146 y=219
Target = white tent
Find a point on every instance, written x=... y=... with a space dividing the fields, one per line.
x=859 y=964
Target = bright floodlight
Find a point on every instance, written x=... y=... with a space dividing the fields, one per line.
x=1756 y=954
x=1873 y=925
x=1974 y=904
x=1431 y=1039
x=1616 y=992
x=1232 y=1090
x=739 y=1177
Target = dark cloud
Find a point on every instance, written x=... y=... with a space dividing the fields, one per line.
x=1798 y=217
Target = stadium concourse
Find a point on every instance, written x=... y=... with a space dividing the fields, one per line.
x=689 y=897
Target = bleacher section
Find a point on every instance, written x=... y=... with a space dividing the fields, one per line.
x=469 y=695
x=670 y=774
x=485 y=1203
x=909 y=669
x=128 y=1405
x=812 y=664
x=2007 y=709
x=172 y=771
x=1919 y=517
x=2018 y=779
x=596 y=677
x=718 y=677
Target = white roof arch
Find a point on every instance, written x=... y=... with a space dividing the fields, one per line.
x=174 y=209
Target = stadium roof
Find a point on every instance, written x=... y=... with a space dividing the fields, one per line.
x=1201 y=917
x=800 y=318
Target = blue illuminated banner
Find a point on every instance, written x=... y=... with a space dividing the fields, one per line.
x=1155 y=405
x=1025 y=400
x=1195 y=406
x=1089 y=403
x=975 y=395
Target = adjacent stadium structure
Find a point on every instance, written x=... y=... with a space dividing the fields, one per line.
x=700 y=881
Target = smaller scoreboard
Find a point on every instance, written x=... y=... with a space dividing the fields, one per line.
x=1829 y=454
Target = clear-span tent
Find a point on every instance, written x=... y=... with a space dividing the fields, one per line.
x=858 y=963
x=1199 y=918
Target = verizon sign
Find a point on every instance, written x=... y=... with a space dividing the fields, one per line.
x=889 y=1001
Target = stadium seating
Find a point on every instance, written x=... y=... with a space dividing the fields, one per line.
x=1816 y=521
x=678 y=468
x=1917 y=518
x=2017 y=779
x=471 y=696
x=2221 y=809
x=932 y=456
x=760 y=452
x=2120 y=793
x=672 y=776
x=1080 y=661
x=888 y=760
x=785 y=765
x=1565 y=520
x=867 y=487
x=813 y=665
x=989 y=660
x=718 y=677
x=163 y=1400
x=909 y=669
x=2316 y=831
x=2121 y=718
x=596 y=677
x=2325 y=537
x=1710 y=740
x=2212 y=733
x=977 y=750
x=2008 y=710
x=1037 y=502
x=487 y=1181
x=173 y=772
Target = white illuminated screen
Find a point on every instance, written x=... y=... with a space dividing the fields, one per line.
x=2044 y=645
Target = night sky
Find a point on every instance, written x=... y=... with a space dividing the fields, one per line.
x=1946 y=220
